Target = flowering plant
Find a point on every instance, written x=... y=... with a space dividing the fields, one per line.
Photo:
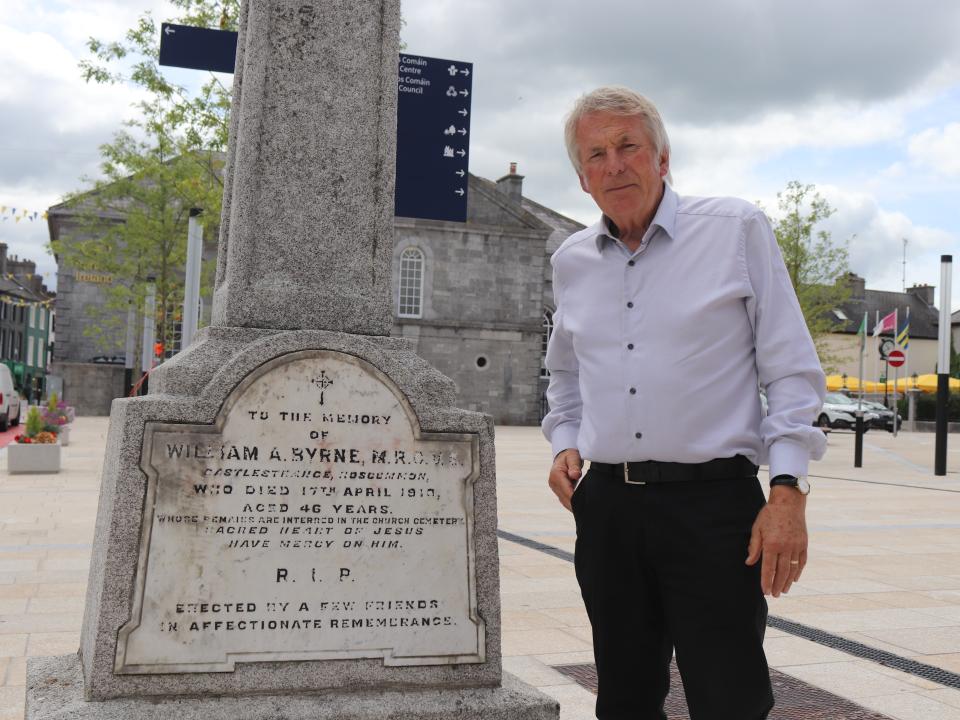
x=57 y=414
x=35 y=430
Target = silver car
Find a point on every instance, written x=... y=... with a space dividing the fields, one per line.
x=839 y=411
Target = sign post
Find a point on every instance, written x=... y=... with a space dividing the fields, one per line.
x=433 y=138
x=197 y=48
x=896 y=359
x=433 y=119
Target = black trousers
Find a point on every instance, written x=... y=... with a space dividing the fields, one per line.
x=661 y=569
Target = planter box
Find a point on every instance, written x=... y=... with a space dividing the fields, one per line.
x=63 y=436
x=33 y=458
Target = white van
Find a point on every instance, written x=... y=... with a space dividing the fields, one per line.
x=9 y=400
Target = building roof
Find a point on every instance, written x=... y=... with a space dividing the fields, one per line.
x=879 y=303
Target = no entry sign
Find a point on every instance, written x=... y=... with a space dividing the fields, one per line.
x=896 y=358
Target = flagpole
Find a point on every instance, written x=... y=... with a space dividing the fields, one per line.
x=876 y=350
x=906 y=350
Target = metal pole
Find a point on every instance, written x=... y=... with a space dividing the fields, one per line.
x=130 y=349
x=149 y=329
x=886 y=379
x=191 y=287
x=896 y=329
x=858 y=441
x=943 y=365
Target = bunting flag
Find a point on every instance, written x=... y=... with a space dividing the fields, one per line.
x=887 y=324
x=7 y=212
x=903 y=332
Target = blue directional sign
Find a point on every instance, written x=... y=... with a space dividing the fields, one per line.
x=433 y=118
x=198 y=48
x=433 y=138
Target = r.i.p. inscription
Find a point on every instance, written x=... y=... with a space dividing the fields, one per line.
x=311 y=521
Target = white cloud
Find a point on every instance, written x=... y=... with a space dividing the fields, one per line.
x=876 y=236
x=938 y=149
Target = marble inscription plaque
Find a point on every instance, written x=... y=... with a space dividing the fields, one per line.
x=312 y=520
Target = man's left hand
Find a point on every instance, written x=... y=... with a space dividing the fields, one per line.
x=779 y=535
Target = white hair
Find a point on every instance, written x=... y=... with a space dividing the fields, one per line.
x=616 y=100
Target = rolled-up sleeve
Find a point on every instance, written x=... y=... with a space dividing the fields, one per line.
x=561 y=425
x=787 y=363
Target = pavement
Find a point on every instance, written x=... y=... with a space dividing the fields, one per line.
x=871 y=631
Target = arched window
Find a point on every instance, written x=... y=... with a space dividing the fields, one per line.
x=544 y=341
x=411 y=283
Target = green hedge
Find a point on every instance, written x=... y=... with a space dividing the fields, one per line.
x=927 y=407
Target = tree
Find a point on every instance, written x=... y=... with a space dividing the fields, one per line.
x=815 y=263
x=169 y=158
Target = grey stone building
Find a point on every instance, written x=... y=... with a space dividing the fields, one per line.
x=475 y=298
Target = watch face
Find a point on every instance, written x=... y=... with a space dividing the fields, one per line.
x=803 y=486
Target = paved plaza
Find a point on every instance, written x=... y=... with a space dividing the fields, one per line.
x=882 y=584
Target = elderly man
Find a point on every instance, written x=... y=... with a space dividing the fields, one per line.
x=671 y=313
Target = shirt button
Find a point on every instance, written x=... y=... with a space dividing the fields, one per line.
x=633 y=391
x=629 y=304
x=630 y=346
x=632 y=263
x=638 y=435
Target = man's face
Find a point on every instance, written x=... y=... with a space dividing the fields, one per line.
x=620 y=167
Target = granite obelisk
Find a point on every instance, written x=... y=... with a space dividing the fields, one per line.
x=297 y=522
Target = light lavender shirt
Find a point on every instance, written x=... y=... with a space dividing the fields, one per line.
x=660 y=354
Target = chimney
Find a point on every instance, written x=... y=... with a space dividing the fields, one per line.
x=3 y=259
x=857 y=285
x=924 y=292
x=511 y=184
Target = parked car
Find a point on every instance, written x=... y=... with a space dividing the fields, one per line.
x=884 y=415
x=9 y=400
x=839 y=411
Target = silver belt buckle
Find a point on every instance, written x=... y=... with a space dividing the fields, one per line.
x=626 y=476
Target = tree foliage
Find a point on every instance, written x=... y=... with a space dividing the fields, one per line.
x=132 y=219
x=816 y=264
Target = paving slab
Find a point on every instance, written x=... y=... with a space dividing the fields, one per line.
x=885 y=545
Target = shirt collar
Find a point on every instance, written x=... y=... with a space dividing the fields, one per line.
x=665 y=218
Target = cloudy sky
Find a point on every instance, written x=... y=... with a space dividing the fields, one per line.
x=859 y=97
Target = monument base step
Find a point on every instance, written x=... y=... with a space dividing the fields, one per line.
x=55 y=692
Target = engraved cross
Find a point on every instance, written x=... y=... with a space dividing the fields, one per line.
x=322 y=382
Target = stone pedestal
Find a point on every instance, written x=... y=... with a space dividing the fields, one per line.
x=297 y=522
x=55 y=691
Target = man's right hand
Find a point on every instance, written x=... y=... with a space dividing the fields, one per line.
x=564 y=475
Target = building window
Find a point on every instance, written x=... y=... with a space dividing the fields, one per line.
x=411 y=283
x=41 y=356
x=30 y=351
x=32 y=316
x=544 y=341
x=42 y=317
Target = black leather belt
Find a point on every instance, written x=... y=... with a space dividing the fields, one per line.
x=654 y=471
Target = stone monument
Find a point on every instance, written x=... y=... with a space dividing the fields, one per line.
x=296 y=522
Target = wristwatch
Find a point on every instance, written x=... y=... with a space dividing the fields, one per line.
x=800 y=484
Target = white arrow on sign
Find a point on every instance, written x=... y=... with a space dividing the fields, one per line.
x=168 y=30
x=460 y=192
x=463 y=112
x=465 y=71
x=461 y=173
x=465 y=92
x=462 y=131
x=461 y=153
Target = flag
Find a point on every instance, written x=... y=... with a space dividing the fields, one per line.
x=862 y=333
x=887 y=323
x=903 y=332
